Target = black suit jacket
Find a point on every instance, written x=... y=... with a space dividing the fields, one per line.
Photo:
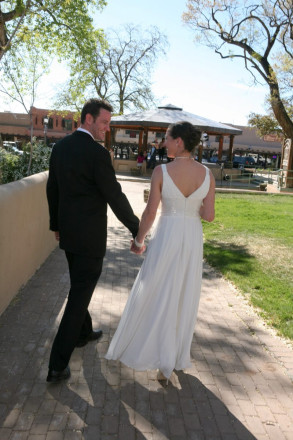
x=81 y=183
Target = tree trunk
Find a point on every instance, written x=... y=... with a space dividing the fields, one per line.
x=32 y=126
x=3 y=37
x=121 y=109
x=280 y=111
x=287 y=126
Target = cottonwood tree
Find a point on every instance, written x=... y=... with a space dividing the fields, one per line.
x=264 y=124
x=255 y=32
x=267 y=124
x=58 y=26
x=20 y=74
x=120 y=73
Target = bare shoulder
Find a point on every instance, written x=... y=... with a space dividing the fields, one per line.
x=212 y=178
x=199 y=168
x=157 y=173
x=202 y=170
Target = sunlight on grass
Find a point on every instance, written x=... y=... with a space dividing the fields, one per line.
x=251 y=243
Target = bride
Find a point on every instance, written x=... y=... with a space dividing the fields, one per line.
x=156 y=327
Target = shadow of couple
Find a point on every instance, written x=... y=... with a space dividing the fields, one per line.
x=113 y=401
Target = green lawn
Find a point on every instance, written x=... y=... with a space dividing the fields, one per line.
x=251 y=243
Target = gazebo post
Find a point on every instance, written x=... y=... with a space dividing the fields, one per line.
x=145 y=139
x=140 y=141
x=199 y=155
x=108 y=140
x=231 y=148
x=113 y=131
x=220 y=151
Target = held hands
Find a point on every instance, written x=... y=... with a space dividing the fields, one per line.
x=136 y=247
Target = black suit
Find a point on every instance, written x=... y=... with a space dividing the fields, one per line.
x=81 y=183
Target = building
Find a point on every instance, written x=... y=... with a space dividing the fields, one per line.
x=21 y=127
x=250 y=142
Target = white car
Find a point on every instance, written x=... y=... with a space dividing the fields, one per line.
x=12 y=147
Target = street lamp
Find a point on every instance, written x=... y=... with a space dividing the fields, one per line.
x=46 y=121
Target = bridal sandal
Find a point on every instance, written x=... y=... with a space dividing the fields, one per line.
x=162 y=378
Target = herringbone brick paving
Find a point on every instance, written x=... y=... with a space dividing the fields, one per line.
x=239 y=387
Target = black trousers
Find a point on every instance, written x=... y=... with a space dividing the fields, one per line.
x=76 y=322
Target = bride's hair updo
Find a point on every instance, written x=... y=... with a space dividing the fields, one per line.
x=187 y=132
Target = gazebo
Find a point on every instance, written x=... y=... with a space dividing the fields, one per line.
x=158 y=120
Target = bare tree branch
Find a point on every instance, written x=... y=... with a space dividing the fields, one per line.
x=257 y=33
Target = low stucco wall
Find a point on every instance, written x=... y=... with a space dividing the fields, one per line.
x=218 y=173
x=124 y=165
x=25 y=239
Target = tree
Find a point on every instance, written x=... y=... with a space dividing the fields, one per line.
x=256 y=32
x=264 y=124
x=268 y=124
x=58 y=26
x=121 y=73
x=20 y=76
x=21 y=73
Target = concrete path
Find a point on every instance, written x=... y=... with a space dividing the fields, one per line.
x=239 y=387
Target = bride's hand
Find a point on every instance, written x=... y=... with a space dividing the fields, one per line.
x=135 y=249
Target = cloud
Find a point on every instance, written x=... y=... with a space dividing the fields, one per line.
x=247 y=87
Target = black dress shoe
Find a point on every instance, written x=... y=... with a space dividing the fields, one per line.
x=93 y=336
x=57 y=376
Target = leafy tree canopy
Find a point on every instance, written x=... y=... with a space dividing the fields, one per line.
x=268 y=124
x=57 y=26
x=265 y=124
x=20 y=74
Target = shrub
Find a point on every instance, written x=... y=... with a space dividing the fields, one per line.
x=15 y=167
x=9 y=166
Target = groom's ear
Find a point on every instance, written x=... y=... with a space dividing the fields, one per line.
x=89 y=119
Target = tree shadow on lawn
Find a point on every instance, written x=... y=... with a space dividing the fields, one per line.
x=229 y=257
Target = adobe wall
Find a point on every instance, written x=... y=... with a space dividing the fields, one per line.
x=25 y=239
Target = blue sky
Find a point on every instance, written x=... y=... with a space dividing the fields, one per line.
x=190 y=75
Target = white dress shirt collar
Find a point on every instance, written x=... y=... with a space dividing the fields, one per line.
x=85 y=131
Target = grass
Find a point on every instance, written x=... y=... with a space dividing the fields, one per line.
x=251 y=243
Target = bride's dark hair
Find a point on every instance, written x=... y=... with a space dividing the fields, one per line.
x=187 y=132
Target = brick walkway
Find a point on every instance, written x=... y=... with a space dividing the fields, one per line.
x=239 y=388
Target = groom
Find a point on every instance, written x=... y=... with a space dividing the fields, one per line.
x=81 y=183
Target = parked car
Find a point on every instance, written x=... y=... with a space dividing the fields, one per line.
x=214 y=159
x=12 y=147
x=243 y=161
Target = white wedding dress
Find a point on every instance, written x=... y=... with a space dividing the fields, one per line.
x=156 y=327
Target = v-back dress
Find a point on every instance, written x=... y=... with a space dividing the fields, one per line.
x=157 y=324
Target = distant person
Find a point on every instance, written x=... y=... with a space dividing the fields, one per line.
x=156 y=327
x=145 y=155
x=152 y=160
x=162 y=149
x=81 y=184
x=140 y=160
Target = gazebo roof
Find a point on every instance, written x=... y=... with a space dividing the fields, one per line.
x=162 y=117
